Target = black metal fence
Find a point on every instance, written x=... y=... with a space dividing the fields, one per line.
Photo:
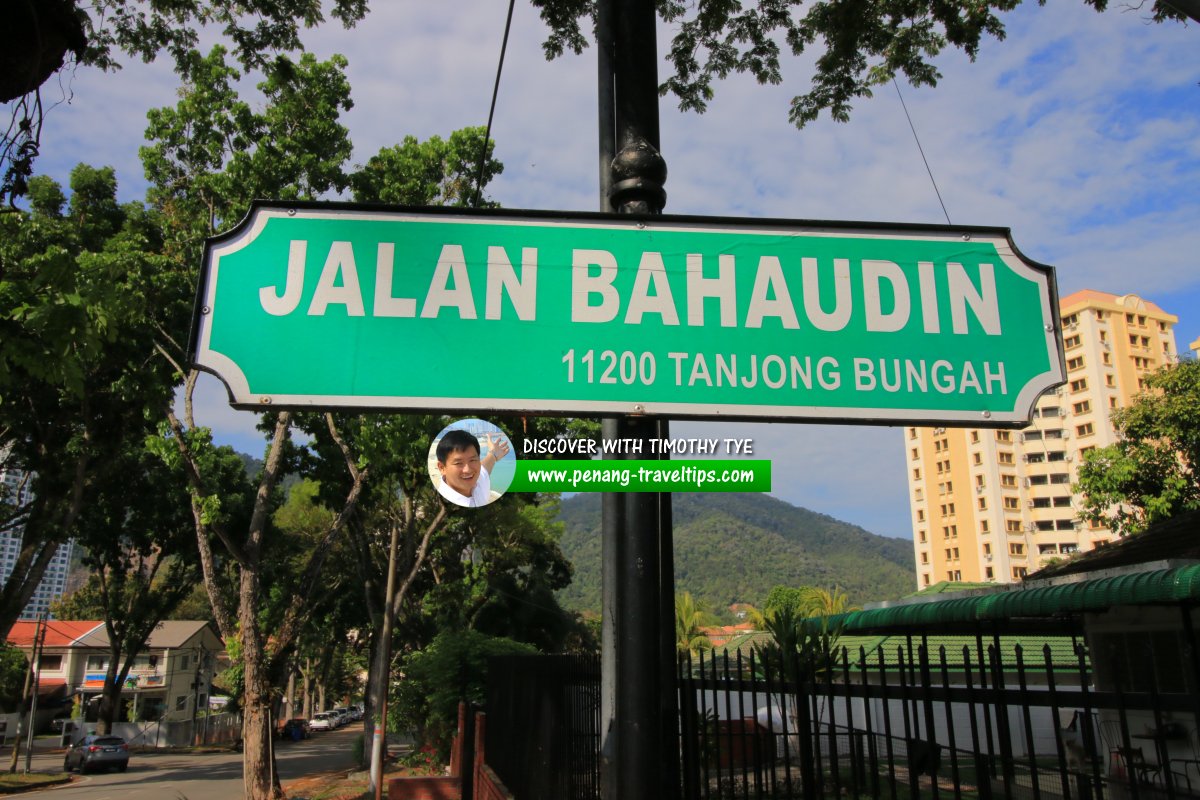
x=980 y=719
x=543 y=732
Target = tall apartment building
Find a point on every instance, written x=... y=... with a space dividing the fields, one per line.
x=16 y=491
x=994 y=505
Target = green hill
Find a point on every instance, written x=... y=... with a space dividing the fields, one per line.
x=732 y=548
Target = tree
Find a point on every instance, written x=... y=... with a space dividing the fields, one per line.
x=452 y=668
x=79 y=285
x=689 y=623
x=1151 y=473
x=857 y=46
x=139 y=546
x=806 y=601
x=209 y=155
x=40 y=38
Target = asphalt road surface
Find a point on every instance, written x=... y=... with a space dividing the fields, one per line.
x=207 y=776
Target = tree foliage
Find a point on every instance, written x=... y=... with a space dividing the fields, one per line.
x=81 y=285
x=452 y=668
x=41 y=38
x=856 y=46
x=689 y=622
x=1151 y=473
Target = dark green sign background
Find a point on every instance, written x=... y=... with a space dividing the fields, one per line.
x=681 y=355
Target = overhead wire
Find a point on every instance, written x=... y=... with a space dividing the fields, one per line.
x=492 y=111
x=921 y=150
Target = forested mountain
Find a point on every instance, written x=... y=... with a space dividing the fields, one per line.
x=732 y=548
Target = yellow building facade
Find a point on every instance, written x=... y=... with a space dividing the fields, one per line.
x=991 y=505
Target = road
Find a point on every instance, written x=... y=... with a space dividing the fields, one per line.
x=207 y=776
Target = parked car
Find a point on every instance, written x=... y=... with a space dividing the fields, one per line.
x=323 y=721
x=343 y=715
x=97 y=752
x=295 y=729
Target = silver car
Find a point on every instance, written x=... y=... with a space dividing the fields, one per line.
x=97 y=752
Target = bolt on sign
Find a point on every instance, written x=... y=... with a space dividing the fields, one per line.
x=343 y=306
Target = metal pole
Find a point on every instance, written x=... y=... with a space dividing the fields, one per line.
x=637 y=585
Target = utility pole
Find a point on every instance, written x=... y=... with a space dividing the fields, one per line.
x=32 y=674
x=638 y=709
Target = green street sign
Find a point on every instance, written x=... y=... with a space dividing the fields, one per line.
x=343 y=306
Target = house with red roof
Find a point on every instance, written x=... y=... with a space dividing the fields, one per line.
x=169 y=680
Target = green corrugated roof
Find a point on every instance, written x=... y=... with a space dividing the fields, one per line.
x=1170 y=586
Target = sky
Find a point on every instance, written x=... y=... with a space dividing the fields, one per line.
x=1080 y=132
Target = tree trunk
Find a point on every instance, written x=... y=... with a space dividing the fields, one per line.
x=289 y=705
x=110 y=696
x=307 y=673
x=259 y=778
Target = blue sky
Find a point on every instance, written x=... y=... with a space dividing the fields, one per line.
x=1080 y=132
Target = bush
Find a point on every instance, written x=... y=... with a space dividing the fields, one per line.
x=452 y=668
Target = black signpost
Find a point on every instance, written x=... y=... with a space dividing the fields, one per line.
x=638 y=707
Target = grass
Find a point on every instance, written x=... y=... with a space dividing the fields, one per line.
x=19 y=782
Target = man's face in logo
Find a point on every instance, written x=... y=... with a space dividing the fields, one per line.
x=460 y=470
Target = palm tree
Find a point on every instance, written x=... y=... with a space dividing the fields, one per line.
x=826 y=602
x=689 y=617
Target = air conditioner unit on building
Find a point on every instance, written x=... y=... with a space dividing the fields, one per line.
x=979 y=489
x=1031 y=504
x=1029 y=526
x=987 y=557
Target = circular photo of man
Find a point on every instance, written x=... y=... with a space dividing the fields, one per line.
x=471 y=463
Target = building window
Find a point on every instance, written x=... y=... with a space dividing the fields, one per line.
x=1079 y=384
x=183 y=662
x=987 y=573
x=987 y=549
x=1073 y=340
x=912 y=433
x=916 y=473
x=983 y=526
x=1010 y=504
x=1085 y=430
x=977 y=458
x=974 y=437
x=1018 y=573
x=921 y=537
x=925 y=578
x=51 y=662
x=1012 y=525
x=1003 y=436
x=983 y=504
x=1075 y=363
x=97 y=663
x=920 y=515
x=1082 y=408
x=1008 y=480
x=181 y=702
x=924 y=558
x=1004 y=458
